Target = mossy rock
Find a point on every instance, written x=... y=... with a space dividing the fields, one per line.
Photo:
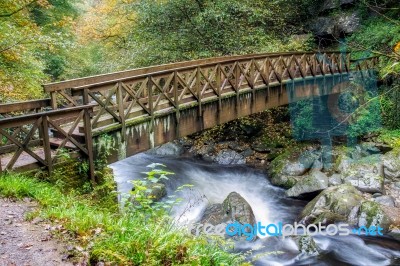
x=373 y=214
x=284 y=181
x=334 y=204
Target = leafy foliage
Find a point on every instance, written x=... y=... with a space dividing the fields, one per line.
x=34 y=37
x=142 y=33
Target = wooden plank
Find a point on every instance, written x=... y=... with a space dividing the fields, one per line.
x=31 y=118
x=24 y=106
x=46 y=144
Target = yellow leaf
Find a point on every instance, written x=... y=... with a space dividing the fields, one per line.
x=397 y=47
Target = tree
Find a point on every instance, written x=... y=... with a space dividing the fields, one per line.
x=148 y=32
x=31 y=33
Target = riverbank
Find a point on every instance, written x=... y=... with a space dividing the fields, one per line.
x=99 y=235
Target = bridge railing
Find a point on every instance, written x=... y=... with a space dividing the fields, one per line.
x=123 y=96
x=25 y=140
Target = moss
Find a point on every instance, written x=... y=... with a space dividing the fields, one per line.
x=307 y=245
x=283 y=181
x=373 y=212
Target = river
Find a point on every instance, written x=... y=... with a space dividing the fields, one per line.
x=212 y=183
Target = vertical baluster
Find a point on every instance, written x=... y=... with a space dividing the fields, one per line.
x=121 y=110
x=46 y=143
x=89 y=142
x=198 y=89
x=53 y=100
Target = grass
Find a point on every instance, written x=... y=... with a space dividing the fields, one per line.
x=127 y=238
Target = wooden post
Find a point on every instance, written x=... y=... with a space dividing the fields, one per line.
x=46 y=143
x=237 y=85
x=176 y=99
x=198 y=89
x=88 y=135
x=150 y=102
x=121 y=110
x=89 y=143
x=53 y=100
x=219 y=90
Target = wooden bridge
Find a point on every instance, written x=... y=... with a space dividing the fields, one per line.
x=142 y=108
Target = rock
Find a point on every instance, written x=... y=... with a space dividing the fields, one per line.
x=306 y=245
x=335 y=180
x=314 y=182
x=374 y=214
x=342 y=23
x=186 y=142
x=247 y=153
x=261 y=147
x=214 y=214
x=370 y=148
x=386 y=200
x=343 y=162
x=365 y=174
x=250 y=129
x=205 y=150
x=273 y=154
x=376 y=195
x=285 y=172
x=236 y=146
x=334 y=4
x=233 y=208
x=229 y=157
x=334 y=204
x=391 y=164
x=317 y=165
x=344 y=203
x=284 y=181
x=170 y=148
x=294 y=168
x=384 y=148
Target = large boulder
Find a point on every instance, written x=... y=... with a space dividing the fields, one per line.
x=285 y=170
x=234 y=208
x=391 y=164
x=229 y=157
x=346 y=204
x=365 y=174
x=284 y=181
x=334 y=204
x=374 y=214
x=314 y=182
x=168 y=149
x=342 y=23
x=386 y=200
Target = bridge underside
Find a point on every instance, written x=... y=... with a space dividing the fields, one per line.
x=146 y=133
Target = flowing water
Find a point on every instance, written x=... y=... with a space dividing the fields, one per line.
x=212 y=184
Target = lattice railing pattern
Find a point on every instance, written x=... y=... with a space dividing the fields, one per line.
x=152 y=93
x=27 y=138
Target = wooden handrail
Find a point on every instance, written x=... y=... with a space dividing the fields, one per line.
x=25 y=119
x=23 y=106
x=97 y=79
